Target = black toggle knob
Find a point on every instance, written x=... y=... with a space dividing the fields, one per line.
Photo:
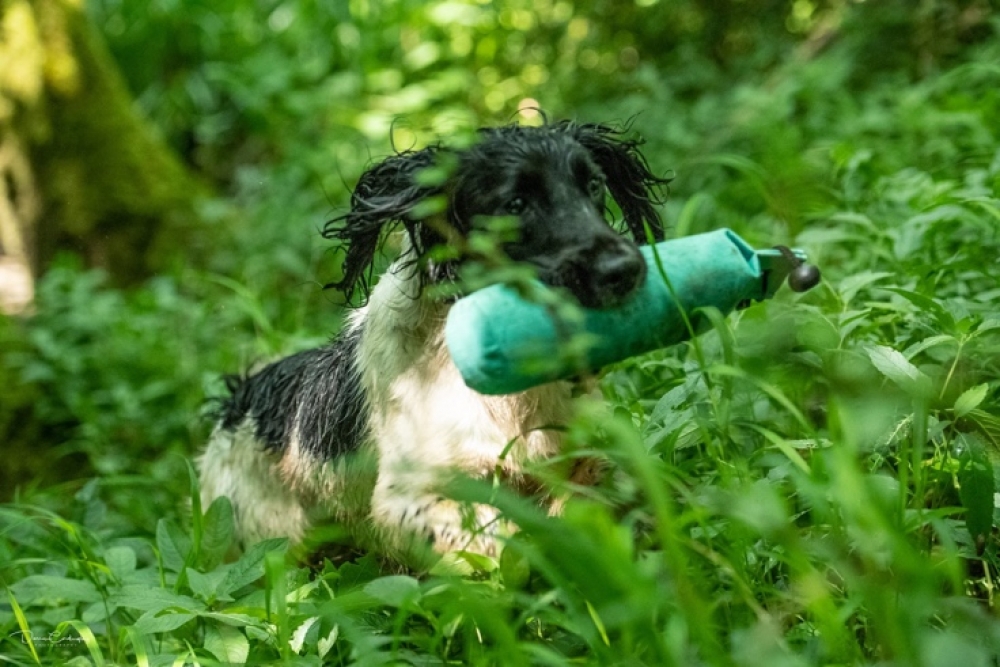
x=803 y=278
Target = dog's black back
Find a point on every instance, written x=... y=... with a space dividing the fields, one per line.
x=315 y=396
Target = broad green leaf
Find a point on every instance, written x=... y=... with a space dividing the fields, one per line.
x=817 y=333
x=394 y=591
x=172 y=544
x=977 y=485
x=478 y=562
x=668 y=403
x=229 y=645
x=97 y=612
x=149 y=598
x=359 y=572
x=970 y=399
x=49 y=590
x=250 y=567
x=851 y=285
x=265 y=635
x=166 y=621
x=452 y=565
x=892 y=364
x=120 y=560
x=231 y=618
x=217 y=533
x=205 y=585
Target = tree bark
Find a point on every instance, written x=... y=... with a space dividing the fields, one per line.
x=80 y=170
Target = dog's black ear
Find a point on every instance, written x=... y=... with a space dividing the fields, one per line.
x=386 y=195
x=631 y=183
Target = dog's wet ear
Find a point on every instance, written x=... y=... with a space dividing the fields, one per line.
x=391 y=193
x=631 y=183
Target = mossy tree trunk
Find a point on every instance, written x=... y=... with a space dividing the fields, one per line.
x=79 y=168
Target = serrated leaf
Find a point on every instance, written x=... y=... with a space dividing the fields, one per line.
x=394 y=591
x=120 y=560
x=988 y=425
x=892 y=364
x=227 y=644
x=301 y=634
x=358 y=572
x=324 y=645
x=217 y=533
x=303 y=592
x=250 y=567
x=970 y=399
x=166 y=621
x=928 y=343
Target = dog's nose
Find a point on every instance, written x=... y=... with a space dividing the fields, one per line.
x=618 y=273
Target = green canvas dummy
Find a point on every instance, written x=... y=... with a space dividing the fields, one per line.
x=502 y=342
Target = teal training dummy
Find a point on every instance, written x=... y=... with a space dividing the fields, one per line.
x=502 y=343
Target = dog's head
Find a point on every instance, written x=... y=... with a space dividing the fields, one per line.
x=554 y=180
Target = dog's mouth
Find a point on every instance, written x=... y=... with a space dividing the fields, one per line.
x=600 y=277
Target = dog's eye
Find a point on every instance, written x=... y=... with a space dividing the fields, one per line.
x=595 y=187
x=516 y=206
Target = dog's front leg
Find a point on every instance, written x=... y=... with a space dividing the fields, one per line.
x=411 y=516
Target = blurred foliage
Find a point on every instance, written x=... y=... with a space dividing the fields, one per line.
x=811 y=483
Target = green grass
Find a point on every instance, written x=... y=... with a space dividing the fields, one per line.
x=810 y=483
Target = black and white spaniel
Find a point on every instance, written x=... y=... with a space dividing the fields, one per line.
x=367 y=429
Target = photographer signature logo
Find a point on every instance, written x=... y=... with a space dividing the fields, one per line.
x=51 y=638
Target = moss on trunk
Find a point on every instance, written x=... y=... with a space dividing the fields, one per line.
x=99 y=179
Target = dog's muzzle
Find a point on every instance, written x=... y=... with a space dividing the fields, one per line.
x=603 y=274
